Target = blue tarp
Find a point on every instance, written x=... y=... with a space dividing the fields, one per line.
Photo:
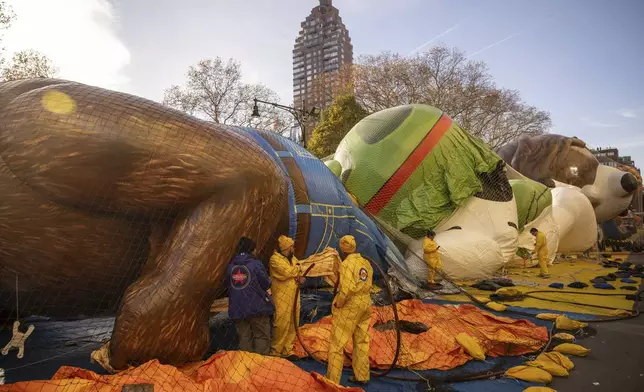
x=49 y=348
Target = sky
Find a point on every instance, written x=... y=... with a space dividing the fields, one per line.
x=580 y=60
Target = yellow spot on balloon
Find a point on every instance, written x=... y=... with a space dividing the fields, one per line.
x=58 y=102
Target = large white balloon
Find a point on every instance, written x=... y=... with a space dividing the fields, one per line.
x=475 y=242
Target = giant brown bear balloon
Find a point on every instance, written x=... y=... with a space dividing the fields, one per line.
x=110 y=202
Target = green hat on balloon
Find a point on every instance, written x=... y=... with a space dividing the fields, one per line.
x=411 y=166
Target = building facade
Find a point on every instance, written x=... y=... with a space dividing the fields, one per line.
x=607 y=156
x=322 y=48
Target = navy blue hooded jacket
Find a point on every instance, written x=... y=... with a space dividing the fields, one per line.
x=247 y=282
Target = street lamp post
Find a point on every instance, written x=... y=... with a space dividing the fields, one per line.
x=301 y=116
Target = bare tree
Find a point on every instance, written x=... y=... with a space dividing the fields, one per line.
x=214 y=91
x=6 y=15
x=445 y=78
x=28 y=64
x=330 y=85
x=24 y=64
x=6 y=18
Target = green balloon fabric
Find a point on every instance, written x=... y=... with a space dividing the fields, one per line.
x=334 y=166
x=532 y=198
x=412 y=166
x=443 y=182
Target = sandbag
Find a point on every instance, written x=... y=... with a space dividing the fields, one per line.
x=564 y=336
x=620 y=312
x=471 y=345
x=539 y=389
x=572 y=349
x=509 y=292
x=557 y=358
x=496 y=306
x=604 y=286
x=481 y=299
x=548 y=316
x=563 y=322
x=549 y=366
x=530 y=374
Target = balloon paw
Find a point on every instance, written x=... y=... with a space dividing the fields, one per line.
x=102 y=357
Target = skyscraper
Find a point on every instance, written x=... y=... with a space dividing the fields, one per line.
x=321 y=49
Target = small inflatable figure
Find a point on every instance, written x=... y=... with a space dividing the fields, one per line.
x=18 y=340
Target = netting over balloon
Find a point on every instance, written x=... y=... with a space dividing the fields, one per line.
x=177 y=252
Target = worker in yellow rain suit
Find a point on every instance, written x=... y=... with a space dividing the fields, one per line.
x=541 y=249
x=285 y=276
x=351 y=314
x=432 y=257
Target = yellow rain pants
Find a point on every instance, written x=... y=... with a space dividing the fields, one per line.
x=541 y=249
x=432 y=258
x=351 y=315
x=283 y=288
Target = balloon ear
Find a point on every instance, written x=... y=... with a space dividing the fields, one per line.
x=334 y=166
x=578 y=142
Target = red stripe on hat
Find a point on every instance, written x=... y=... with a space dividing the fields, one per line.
x=393 y=185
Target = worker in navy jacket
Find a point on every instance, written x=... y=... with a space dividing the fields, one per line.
x=249 y=304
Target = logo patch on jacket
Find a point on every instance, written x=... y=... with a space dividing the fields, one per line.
x=363 y=274
x=239 y=277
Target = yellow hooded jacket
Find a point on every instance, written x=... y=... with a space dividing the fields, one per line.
x=283 y=288
x=351 y=317
x=541 y=246
x=432 y=258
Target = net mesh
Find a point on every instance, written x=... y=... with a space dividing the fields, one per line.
x=142 y=247
x=121 y=221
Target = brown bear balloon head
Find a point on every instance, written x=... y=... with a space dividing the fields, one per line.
x=550 y=158
x=545 y=158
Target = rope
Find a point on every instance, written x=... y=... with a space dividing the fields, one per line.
x=259 y=225
x=17 y=301
x=52 y=357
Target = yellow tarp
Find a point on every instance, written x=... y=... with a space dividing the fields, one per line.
x=564 y=271
x=223 y=372
x=437 y=348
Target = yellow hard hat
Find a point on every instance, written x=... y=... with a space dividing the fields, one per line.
x=348 y=244
x=285 y=242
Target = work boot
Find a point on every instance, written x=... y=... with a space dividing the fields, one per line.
x=353 y=380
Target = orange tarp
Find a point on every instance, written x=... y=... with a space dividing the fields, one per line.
x=437 y=348
x=224 y=371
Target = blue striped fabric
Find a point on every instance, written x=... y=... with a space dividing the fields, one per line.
x=332 y=211
x=292 y=216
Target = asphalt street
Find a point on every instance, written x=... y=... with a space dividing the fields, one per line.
x=616 y=362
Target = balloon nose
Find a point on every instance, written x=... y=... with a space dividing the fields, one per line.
x=629 y=183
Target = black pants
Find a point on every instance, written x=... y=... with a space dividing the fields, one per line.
x=254 y=334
